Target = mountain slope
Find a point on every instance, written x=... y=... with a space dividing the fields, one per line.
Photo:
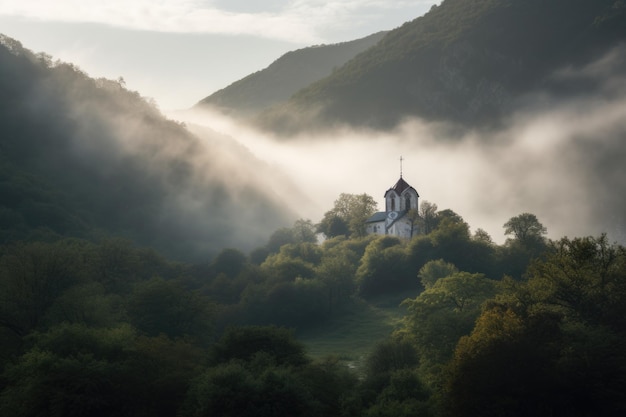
x=84 y=157
x=466 y=61
x=285 y=76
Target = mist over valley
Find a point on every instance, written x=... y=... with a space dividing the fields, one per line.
x=265 y=251
x=491 y=120
x=553 y=147
x=85 y=157
x=557 y=156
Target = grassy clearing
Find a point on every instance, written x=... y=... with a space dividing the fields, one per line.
x=351 y=335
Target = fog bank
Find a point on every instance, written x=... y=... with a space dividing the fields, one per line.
x=559 y=156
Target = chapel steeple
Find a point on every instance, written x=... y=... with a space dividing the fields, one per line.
x=394 y=221
x=401 y=197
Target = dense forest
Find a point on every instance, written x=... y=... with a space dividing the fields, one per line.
x=530 y=327
x=465 y=61
x=141 y=275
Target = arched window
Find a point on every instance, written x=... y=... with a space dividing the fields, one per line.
x=393 y=204
x=407 y=202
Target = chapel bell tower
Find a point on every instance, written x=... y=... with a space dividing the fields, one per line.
x=401 y=197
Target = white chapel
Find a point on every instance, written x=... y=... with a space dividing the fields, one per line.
x=394 y=221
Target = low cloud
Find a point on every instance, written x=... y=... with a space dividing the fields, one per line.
x=559 y=158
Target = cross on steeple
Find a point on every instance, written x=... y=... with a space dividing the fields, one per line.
x=401 y=159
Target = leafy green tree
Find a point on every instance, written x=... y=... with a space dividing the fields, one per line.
x=331 y=383
x=245 y=342
x=281 y=267
x=404 y=396
x=305 y=251
x=260 y=389
x=166 y=368
x=522 y=361
x=445 y=312
x=449 y=216
x=503 y=367
x=304 y=231
x=259 y=255
x=73 y=370
x=230 y=262
x=296 y=304
x=391 y=385
x=480 y=235
x=158 y=306
x=384 y=268
x=585 y=278
x=304 y=282
x=428 y=215
x=332 y=225
x=225 y=290
x=85 y=303
x=228 y=389
x=513 y=259
x=451 y=241
x=465 y=291
x=279 y=238
x=263 y=371
x=32 y=276
x=551 y=345
x=525 y=228
x=421 y=250
x=349 y=210
x=116 y=265
x=390 y=355
x=415 y=220
x=405 y=385
x=337 y=271
x=351 y=249
x=394 y=408
x=433 y=270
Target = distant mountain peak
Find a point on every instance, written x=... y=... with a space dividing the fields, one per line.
x=465 y=61
x=285 y=76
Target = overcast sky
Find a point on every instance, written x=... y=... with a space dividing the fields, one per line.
x=180 y=51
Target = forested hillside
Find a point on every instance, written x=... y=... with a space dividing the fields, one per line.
x=146 y=270
x=87 y=158
x=285 y=76
x=531 y=327
x=466 y=61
